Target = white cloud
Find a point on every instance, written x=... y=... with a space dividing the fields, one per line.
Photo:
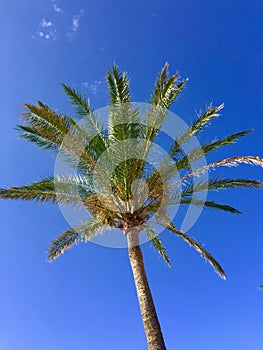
x=75 y=23
x=47 y=28
x=57 y=9
x=45 y=24
x=93 y=87
x=48 y=35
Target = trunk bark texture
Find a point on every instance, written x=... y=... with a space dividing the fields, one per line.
x=149 y=317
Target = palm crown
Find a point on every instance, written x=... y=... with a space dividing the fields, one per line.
x=128 y=203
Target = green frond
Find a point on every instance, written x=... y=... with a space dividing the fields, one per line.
x=41 y=191
x=124 y=121
x=207 y=148
x=32 y=135
x=175 y=152
x=222 y=183
x=157 y=243
x=42 y=116
x=217 y=184
x=83 y=109
x=71 y=237
x=213 y=184
x=65 y=190
x=118 y=86
x=167 y=88
x=79 y=101
x=165 y=92
x=63 y=242
x=222 y=207
x=51 y=131
x=44 y=126
x=209 y=204
x=203 y=120
x=198 y=247
x=162 y=77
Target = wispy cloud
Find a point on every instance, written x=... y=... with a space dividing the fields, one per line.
x=46 y=30
x=75 y=24
x=45 y=24
x=57 y=9
x=58 y=17
x=50 y=35
x=93 y=87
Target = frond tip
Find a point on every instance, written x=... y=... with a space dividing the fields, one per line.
x=63 y=242
x=166 y=223
x=197 y=246
x=209 y=204
x=71 y=237
x=157 y=244
x=118 y=86
x=167 y=88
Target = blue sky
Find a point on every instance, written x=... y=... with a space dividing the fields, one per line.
x=86 y=299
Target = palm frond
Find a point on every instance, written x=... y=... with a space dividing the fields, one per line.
x=123 y=121
x=207 y=148
x=42 y=116
x=51 y=131
x=167 y=88
x=83 y=109
x=80 y=102
x=73 y=236
x=228 y=162
x=65 y=190
x=32 y=135
x=63 y=242
x=118 y=86
x=157 y=243
x=209 y=204
x=198 y=247
x=165 y=92
x=44 y=125
x=202 y=121
x=217 y=184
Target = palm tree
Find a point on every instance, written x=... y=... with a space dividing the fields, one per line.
x=125 y=205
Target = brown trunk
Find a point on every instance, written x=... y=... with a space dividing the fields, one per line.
x=149 y=317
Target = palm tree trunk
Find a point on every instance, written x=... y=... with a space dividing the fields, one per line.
x=149 y=317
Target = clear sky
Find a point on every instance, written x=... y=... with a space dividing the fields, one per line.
x=86 y=299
